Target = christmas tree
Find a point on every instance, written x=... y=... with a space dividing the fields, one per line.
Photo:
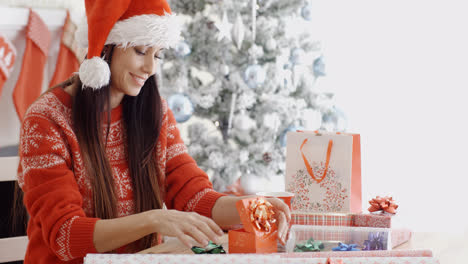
x=241 y=68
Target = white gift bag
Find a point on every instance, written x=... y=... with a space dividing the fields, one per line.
x=323 y=170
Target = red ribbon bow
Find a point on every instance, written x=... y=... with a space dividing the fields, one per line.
x=385 y=204
x=261 y=214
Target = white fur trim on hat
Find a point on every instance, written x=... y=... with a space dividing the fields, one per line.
x=146 y=30
x=94 y=73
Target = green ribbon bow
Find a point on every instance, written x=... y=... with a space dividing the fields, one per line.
x=308 y=246
x=212 y=248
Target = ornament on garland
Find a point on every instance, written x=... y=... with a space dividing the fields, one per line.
x=243 y=122
x=272 y=121
x=285 y=132
x=306 y=12
x=224 y=28
x=182 y=49
x=224 y=69
x=254 y=76
x=271 y=45
x=181 y=106
x=267 y=157
x=238 y=32
x=319 y=67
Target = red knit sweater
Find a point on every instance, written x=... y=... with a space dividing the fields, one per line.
x=57 y=190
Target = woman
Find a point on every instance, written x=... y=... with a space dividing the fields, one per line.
x=101 y=155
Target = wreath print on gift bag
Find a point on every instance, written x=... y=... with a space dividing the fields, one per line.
x=323 y=175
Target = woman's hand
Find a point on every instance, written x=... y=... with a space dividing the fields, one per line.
x=186 y=225
x=283 y=217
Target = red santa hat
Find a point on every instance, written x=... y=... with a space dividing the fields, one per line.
x=124 y=23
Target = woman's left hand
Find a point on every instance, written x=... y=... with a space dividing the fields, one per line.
x=283 y=217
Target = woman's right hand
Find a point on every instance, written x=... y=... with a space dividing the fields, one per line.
x=186 y=225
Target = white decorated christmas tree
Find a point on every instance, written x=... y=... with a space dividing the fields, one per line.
x=243 y=67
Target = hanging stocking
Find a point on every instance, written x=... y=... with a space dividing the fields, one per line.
x=7 y=60
x=29 y=84
x=70 y=55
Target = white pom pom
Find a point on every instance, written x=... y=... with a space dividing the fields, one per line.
x=94 y=73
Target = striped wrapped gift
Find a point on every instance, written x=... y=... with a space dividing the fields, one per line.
x=322 y=219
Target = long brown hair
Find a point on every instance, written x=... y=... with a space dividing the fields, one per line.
x=142 y=117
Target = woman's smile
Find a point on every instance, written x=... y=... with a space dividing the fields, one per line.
x=138 y=79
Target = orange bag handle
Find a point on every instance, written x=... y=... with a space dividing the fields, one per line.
x=307 y=164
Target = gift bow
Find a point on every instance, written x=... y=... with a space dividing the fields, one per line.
x=385 y=204
x=212 y=248
x=375 y=241
x=310 y=245
x=345 y=247
x=261 y=214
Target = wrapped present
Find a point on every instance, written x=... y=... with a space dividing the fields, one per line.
x=342 y=238
x=387 y=260
x=260 y=232
x=177 y=259
x=376 y=253
x=246 y=258
x=323 y=170
x=322 y=219
x=373 y=220
x=400 y=236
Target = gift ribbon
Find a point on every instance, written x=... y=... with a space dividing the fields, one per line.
x=345 y=247
x=261 y=214
x=310 y=245
x=384 y=204
x=375 y=241
x=212 y=248
x=307 y=164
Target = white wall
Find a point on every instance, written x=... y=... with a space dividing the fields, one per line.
x=399 y=70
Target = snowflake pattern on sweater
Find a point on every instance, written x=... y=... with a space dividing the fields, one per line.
x=58 y=192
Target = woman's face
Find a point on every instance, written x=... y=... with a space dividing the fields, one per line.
x=131 y=67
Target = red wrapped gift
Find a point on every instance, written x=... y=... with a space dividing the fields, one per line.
x=373 y=220
x=260 y=232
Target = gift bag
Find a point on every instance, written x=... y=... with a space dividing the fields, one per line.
x=323 y=170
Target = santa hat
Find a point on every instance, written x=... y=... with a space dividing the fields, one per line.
x=124 y=23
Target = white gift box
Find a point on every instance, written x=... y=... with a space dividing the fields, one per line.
x=330 y=236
